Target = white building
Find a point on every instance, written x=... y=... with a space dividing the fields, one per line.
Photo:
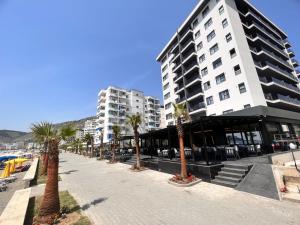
x=90 y=127
x=115 y=104
x=79 y=134
x=227 y=56
x=163 y=121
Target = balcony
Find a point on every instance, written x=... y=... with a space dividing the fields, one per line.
x=265 y=31
x=276 y=69
x=187 y=34
x=179 y=89
x=279 y=83
x=190 y=68
x=295 y=62
x=197 y=108
x=271 y=54
x=194 y=94
x=177 y=78
x=291 y=53
x=176 y=68
x=287 y=44
x=192 y=80
x=283 y=101
x=180 y=99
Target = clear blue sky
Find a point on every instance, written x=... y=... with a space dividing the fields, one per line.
x=55 y=55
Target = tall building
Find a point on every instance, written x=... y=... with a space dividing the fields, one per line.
x=89 y=128
x=225 y=57
x=115 y=104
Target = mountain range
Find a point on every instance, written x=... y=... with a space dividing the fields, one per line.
x=11 y=136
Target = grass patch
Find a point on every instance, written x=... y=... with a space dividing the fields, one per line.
x=42 y=178
x=66 y=200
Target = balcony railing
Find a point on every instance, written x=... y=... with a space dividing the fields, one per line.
x=194 y=92
x=190 y=66
x=291 y=52
x=285 y=98
x=295 y=62
x=186 y=43
x=200 y=105
x=191 y=79
x=178 y=88
x=179 y=100
x=279 y=82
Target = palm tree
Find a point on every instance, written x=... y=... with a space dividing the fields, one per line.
x=101 y=145
x=181 y=114
x=49 y=209
x=42 y=132
x=135 y=121
x=116 y=132
x=89 y=139
x=76 y=144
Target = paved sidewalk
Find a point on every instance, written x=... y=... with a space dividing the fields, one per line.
x=114 y=195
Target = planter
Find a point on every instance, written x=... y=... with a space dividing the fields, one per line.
x=185 y=184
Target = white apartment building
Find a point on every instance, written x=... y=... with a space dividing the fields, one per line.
x=225 y=57
x=79 y=134
x=89 y=128
x=115 y=104
x=163 y=121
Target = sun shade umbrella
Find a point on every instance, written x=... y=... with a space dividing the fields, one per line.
x=6 y=172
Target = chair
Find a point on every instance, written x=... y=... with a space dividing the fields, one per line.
x=251 y=150
x=230 y=153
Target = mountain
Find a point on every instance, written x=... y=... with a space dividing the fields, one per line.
x=10 y=136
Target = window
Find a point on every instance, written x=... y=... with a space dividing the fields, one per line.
x=224 y=23
x=197 y=34
x=201 y=58
x=217 y=63
x=220 y=78
x=199 y=46
x=208 y=23
x=214 y=49
x=166 y=86
x=137 y=100
x=217 y=1
x=195 y=23
x=205 y=12
x=164 y=59
x=232 y=53
x=211 y=36
x=247 y=106
x=165 y=77
x=204 y=72
x=237 y=70
x=242 y=88
x=166 y=96
x=169 y=116
x=228 y=111
x=224 y=95
x=164 y=69
x=168 y=106
x=206 y=85
x=228 y=37
x=210 y=100
x=221 y=10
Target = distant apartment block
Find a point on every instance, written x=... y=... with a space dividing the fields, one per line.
x=115 y=104
x=225 y=57
x=89 y=128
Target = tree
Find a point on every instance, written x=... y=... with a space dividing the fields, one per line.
x=89 y=139
x=76 y=144
x=116 y=132
x=101 y=145
x=180 y=115
x=42 y=132
x=135 y=121
x=49 y=209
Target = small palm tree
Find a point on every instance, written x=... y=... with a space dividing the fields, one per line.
x=76 y=145
x=42 y=132
x=116 y=132
x=181 y=114
x=89 y=139
x=135 y=121
x=50 y=207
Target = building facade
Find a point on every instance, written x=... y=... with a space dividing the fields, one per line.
x=226 y=57
x=89 y=128
x=115 y=104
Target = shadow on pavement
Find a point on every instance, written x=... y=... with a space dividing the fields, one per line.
x=69 y=172
x=88 y=205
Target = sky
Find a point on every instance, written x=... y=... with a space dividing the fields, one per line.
x=56 y=55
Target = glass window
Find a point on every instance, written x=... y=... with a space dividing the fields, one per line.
x=208 y=23
x=224 y=23
x=197 y=34
x=168 y=106
x=165 y=77
x=217 y=63
x=199 y=46
x=209 y=100
x=220 y=78
x=206 y=85
x=224 y=95
x=221 y=10
x=237 y=70
x=166 y=96
x=201 y=58
x=211 y=36
x=164 y=68
x=214 y=49
x=195 y=23
x=166 y=86
x=204 y=72
x=247 y=106
x=228 y=37
x=205 y=12
x=242 y=88
x=232 y=53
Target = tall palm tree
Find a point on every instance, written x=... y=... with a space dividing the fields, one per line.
x=89 y=139
x=116 y=132
x=42 y=132
x=135 y=121
x=50 y=208
x=181 y=114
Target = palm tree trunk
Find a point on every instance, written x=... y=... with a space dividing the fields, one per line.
x=46 y=162
x=182 y=158
x=92 y=150
x=138 y=156
x=50 y=207
x=114 y=152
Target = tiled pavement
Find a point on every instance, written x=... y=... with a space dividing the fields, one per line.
x=114 y=195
